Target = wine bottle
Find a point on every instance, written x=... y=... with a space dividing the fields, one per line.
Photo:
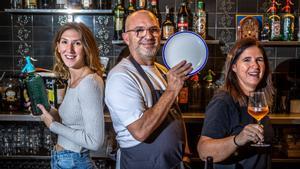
x=119 y=13
x=154 y=9
x=130 y=8
x=182 y=18
x=183 y=97
x=30 y=4
x=141 y=4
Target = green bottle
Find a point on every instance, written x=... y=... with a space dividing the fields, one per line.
x=288 y=20
x=274 y=22
x=35 y=88
x=200 y=20
x=119 y=14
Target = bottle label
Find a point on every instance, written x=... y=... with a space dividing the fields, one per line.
x=142 y=4
x=275 y=29
x=200 y=26
x=168 y=31
x=288 y=28
x=51 y=97
x=182 y=26
x=30 y=3
x=86 y=3
x=10 y=95
x=183 y=95
x=119 y=24
x=60 y=2
x=60 y=95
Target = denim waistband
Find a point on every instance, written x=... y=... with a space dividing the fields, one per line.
x=70 y=154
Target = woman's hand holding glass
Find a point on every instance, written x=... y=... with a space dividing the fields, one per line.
x=258 y=109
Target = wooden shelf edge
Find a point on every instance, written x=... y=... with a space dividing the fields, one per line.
x=280 y=43
x=292 y=119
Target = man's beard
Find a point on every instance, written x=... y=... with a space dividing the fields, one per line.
x=148 y=54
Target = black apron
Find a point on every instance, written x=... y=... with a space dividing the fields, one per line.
x=165 y=146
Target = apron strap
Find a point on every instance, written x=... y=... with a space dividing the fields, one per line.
x=138 y=67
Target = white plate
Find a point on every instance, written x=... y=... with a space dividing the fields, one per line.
x=187 y=46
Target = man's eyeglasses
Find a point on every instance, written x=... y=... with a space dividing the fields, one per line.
x=141 y=31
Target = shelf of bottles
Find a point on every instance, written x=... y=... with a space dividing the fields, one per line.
x=209 y=42
x=67 y=11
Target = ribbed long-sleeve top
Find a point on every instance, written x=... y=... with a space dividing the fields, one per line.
x=82 y=126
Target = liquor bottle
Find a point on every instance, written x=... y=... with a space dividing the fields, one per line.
x=30 y=4
x=141 y=4
x=55 y=88
x=16 y=4
x=195 y=94
x=152 y=6
x=118 y=20
x=183 y=97
x=35 y=88
x=87 y=4
x=101 y=4
x=168 y=27
x=74 y=4
x=183 y=18
x=11 y=94
x=209 y=87
x=288 y=22
x=130 y=8
x=61 y=4
x=209 y=163
x=200 y=20
x=44 y=4
x=274 y=22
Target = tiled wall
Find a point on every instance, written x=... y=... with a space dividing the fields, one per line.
x=35 y=31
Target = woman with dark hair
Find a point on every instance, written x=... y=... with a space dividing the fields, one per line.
x=228 y=129
x=81 y=127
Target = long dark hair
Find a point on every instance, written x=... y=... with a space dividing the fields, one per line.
x=231 y=84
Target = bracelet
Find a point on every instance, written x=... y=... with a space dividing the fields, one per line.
x=235 y=141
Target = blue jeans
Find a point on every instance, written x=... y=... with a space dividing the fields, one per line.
x=66 y=159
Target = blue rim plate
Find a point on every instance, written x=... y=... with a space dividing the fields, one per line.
x=187 y=46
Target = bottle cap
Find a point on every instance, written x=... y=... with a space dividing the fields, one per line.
x=28 y=68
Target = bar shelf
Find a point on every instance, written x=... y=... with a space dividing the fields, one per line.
x=62 y=11
x=280 y=43
x=209 y=42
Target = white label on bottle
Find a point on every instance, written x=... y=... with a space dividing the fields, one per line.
x=60 y=2
x=60 y=95
x=119 y=24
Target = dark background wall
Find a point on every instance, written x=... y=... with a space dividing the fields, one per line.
x=19 y=32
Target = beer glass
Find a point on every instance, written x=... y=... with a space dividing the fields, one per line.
x=258 y=109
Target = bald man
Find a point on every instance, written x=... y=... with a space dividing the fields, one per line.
x=141 y=97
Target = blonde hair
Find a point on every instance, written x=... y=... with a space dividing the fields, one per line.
x=91 y=57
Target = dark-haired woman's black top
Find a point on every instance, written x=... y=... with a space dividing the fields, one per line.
x=223 y=118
